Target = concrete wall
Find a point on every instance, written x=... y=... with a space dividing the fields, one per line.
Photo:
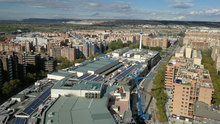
x=80 y=93
x=55 y=77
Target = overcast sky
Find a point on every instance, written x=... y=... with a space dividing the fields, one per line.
x=186 y=10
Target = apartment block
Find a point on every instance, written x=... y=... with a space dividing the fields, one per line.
x=69 y=53
x=9 y=47
x=180 y=52
x=55 y=51
x=188 y=52
x=86 y=50
x=197 y=57
x=188 y=82
x=216 y=57
x=202 y=39
x=50 y=65
x=32 y=62
x=156 y=42
x=11 y=65
x=1 y=74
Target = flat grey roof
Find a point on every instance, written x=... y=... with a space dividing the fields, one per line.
x=93 y=65
x=201 y=109
x=75 y=84
x=65 y=74
x=80 y=110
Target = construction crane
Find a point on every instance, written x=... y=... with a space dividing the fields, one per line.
x=141 y=114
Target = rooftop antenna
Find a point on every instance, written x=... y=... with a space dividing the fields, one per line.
x=140 y=45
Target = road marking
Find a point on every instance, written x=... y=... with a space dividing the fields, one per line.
x=90 y=103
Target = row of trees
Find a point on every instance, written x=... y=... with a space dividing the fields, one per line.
x=64 y=62
x=14 y=86
x=119 y=44
x=181 y=43
x=158 y=92
x=210 y=65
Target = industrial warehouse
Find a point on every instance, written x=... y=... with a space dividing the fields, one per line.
x=98 y=89
x=94 y=91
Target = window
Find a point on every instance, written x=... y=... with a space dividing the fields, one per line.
x=181 y=105
x=182 y=102
x=182 y=98
x=186 y=102
x=183 y=91
x=187 y=92
x=183 y=95
x=186 y=99
x=183 y=87
x=187 y=88
x=186 y=95
x=185 y=106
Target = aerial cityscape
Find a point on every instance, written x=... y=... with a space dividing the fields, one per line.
x=109 y=62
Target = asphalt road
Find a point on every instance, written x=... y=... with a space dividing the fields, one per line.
x=148 y=83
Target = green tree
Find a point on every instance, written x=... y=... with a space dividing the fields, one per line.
x=3 y=38
x=116 y=44
x=11 y=87
x=181 y=43
x=79 y=60
x=158 y=92
x=209 y=64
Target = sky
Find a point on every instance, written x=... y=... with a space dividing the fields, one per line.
x=181 y=10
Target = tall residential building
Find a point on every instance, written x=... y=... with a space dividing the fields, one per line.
x=33 y=62
x=215 y=52
x=188 y=52
x=189 y=83
x=155 y=42
x=202 y=39
x=216 y=57
x=218 y=63
x=55 y=51
x=9 y=47
x=86 y=50
x=180 y=52
x=27 y=46
x=50 y=65
x=79 y=51
x=10 y=65
x=92 y=48
x=69 y=53
x=197 y=57
x=1 y=73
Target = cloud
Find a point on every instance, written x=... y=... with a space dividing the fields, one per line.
x=210 y=12
x=213 y=11
x=15 y=1
x=179 y=18
x=181 y=5
x=98 y=9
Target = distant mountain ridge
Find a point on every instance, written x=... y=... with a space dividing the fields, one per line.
x=47 y=20
x=121 y=22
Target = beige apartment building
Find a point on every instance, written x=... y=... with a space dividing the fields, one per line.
x=125 y=36
x=202 y=39
x=156 y=42
x=9 y=47
x=188 y=82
